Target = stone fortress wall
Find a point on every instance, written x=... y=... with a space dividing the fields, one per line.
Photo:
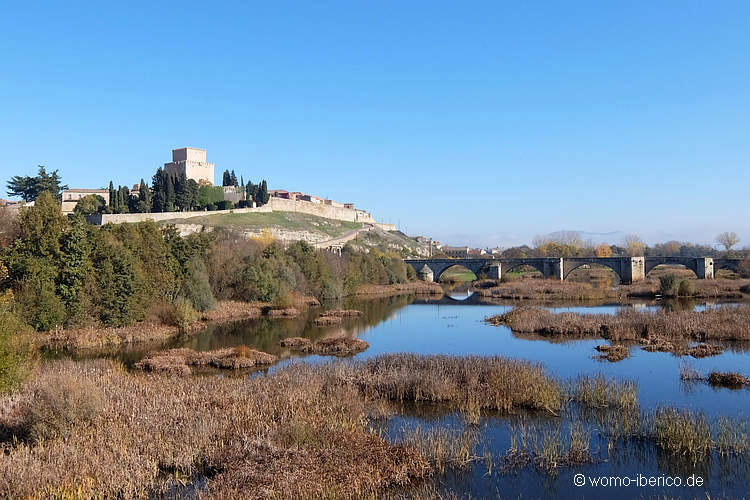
x=273 y=205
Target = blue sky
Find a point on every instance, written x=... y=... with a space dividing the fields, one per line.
x=476 y=122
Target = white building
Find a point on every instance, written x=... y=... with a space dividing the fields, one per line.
x=192 y=163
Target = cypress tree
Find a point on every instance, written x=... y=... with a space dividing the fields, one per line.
x=170 y=195
x=111 y=195
x=233 y=179
x=226 y=179
x=144 y=197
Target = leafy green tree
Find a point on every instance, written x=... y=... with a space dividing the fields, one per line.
x=89 y=205
x=75 y=266
x=29 y=188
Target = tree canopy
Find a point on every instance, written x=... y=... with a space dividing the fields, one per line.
x=28 y=188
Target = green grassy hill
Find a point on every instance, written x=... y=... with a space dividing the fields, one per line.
x=291 y=221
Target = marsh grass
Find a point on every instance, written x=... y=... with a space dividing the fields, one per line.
x=599 y=392
x=180 y=361
x=331 y=346
x=466 y=383
x=612 y=352
x=670 y=331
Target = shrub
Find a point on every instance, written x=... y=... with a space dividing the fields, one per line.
x=183 y=314
x=196 y=287
x=669 y=284
x=15 y=352
x=39 y=306
x=686 y=288
x=59 y=404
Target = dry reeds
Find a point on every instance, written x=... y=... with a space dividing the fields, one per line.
x=179 y=361
x=730 y=380
x=657 y=331
x=467 y=383
x=336 y=346
x=612 y=352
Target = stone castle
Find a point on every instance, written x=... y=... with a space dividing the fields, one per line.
x=191 y=162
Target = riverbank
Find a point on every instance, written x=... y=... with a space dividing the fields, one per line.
x=160 y=328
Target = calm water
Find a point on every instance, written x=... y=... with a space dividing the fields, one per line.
x=401 y=324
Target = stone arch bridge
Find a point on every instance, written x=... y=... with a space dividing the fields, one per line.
x=628 y=269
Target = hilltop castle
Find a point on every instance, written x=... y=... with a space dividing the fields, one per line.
x=192 y=163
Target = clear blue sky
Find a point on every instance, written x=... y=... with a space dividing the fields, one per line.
x=477 y=122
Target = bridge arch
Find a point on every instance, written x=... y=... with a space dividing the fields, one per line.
x=462 y=265
x=539 y=266
x=571 y=265
x=654 y=262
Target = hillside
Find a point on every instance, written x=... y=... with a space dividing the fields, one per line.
x=294 y=226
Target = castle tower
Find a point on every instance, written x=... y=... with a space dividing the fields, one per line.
x=191 y=162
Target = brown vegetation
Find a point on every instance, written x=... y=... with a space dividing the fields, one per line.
x=540 y=289
x=179 y=361
x=731 y=380
x=336 y=316
x=613 y=352
x=327 y=320
x=249 y=437
x=669 y=331
x=414 y=287
x=336 y=346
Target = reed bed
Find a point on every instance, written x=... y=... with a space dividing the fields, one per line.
x=92 y=429
x=599 y=392
x=467 y=383
x=670 y=331
x=253 y=437
x=543 y=290
x=613 y=352
x=327 y=320
x=180 y=361
x=335 y=346
x=731 y=380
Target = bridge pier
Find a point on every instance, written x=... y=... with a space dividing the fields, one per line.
x=632 y=269
x=426 y=274
x=704 y=268
x=495 y=271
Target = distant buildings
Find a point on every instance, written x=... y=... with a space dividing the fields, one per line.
x=71 y=197
x=191 y=162
x=297 y=196
x=464 y=252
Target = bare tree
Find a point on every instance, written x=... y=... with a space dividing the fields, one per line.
x=728 y=239
x=634 y=244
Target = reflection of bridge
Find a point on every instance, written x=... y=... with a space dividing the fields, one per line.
x=628 y=269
